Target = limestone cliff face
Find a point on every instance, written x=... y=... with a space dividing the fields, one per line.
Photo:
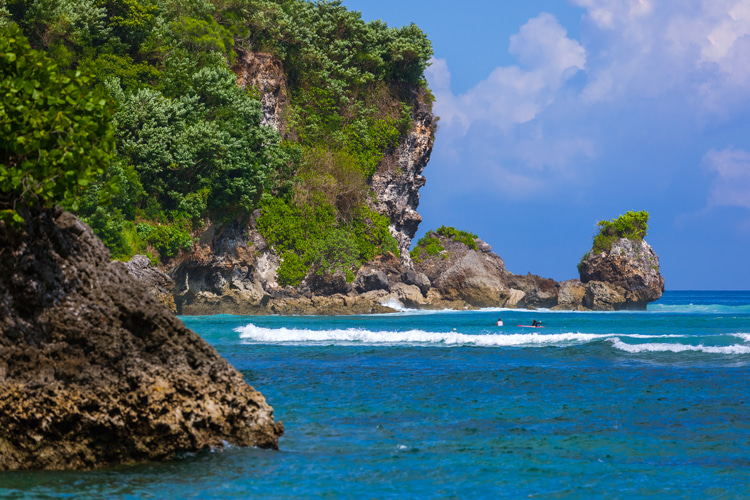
x=630 y=269
x=399 y=177
x=95 y=371
x=265 y=73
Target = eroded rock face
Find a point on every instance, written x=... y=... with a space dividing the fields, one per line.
x=266 y=74
x=228 y=272
x=632 y=266
x=159 y=284
x=399 y=177
x=95 y=371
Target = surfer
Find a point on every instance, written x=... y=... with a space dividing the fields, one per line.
x=499 y=322
x=535 y=323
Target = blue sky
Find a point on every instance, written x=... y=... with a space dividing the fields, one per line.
x=557 y=114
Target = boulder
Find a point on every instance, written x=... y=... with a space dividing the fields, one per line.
x=570 y=296
x=420 y=280
x=631 y=265
x=601 y=296
x=95 y=371
x=460 y=273
x=370 y=279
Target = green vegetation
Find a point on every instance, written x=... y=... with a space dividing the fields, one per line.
x=55 y=135
x=312 y=238
x=168 y=139
x=632 y=225
x=430 y=245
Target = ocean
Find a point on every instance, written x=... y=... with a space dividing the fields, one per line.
x=447 y=405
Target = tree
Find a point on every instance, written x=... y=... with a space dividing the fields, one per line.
x=55 y=130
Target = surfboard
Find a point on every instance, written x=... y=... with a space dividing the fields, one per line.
x=530 y=326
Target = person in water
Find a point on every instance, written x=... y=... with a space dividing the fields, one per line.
x=534 y=323
x=499 y=322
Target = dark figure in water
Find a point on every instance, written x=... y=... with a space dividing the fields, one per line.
x=534 y=323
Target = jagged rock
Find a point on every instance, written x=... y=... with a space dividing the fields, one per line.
x=227 y=272
x=399 y=177
x=602 y=296
x=266 y=74
x=156 y=282
x=328 y=284
x=419 y=279
x=462 y=274
x=538 y=292
x=571 y=295
x=630 y=265
x=370 y=279
x=95 y=371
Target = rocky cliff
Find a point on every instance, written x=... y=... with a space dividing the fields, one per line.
x=399 y=177
x=233 y=270
x=95 y=371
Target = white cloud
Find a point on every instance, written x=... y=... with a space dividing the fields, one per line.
x=731 y=186
x=511 y=95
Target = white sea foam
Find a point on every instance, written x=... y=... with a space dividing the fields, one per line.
x=661 y=347
x=258 y=334
x=743 y=336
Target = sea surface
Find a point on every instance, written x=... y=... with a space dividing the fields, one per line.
x=651 y=404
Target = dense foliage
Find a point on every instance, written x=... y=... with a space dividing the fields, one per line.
x=55 y=135
x=631 y=225
x=430 y=245
x=189 y=143
x=312 y=238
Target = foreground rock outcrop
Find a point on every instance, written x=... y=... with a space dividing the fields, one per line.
x=95 y=371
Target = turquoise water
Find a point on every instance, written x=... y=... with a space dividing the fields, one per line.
x=444 y=404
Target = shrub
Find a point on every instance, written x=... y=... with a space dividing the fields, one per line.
x=55 y=131
x=632 y=225
x=429 y=244
x=459 y=236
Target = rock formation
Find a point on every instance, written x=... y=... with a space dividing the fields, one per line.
x=95 y=371
x=399 y=177
x=627 y=276
x=159 y=284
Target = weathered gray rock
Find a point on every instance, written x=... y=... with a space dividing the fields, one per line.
x=461 y=274
x=95 y=371
x=630 y=265
x=159 y=284
x=419 y=279
x=369 y=279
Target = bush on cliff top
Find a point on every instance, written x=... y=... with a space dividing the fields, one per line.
x=631 y=225
x=429 y=245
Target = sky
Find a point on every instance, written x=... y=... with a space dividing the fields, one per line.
x=555 y=115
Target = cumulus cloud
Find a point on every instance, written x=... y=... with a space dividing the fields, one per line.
x=731 y=185
x=512 y=94
x=641 y=48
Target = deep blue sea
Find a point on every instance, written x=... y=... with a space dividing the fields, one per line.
x=651 y=404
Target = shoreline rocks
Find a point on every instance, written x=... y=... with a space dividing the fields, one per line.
x=95 y=371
